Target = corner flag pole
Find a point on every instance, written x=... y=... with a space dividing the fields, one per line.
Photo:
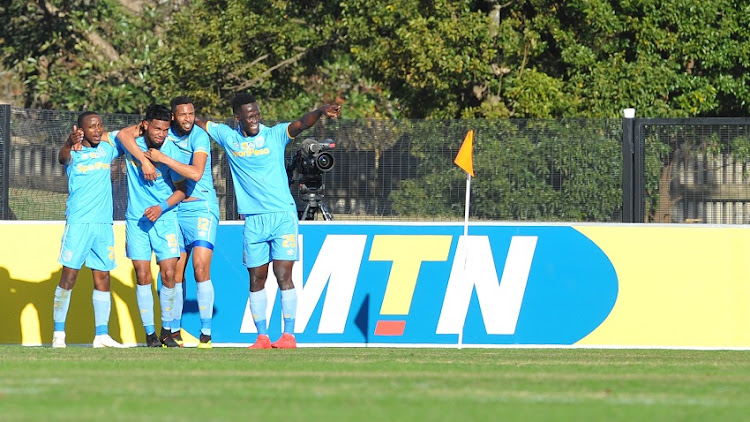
x=465 y=160
x=466 y=205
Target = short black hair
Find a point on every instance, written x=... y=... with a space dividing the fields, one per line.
x=84 y=115
x=241 y=99
x=180 y=100
x=158 y=112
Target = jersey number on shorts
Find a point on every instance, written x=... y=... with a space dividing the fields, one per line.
x=289 y=241
x=172 y=240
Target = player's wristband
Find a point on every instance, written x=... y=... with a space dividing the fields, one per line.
x=164 y=206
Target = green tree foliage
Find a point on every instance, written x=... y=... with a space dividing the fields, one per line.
x=385 y=59
x=431 y=53
x=290 y=54
x=80 y=54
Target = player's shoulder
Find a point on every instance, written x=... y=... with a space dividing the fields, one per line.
x=275 y=129
x=211 y=124
x=198 y=134
x=219 y=131
x=197 y=130
x=278 y=131
x=169 y=147
x=277 y=126
x=172 y=136
x=110 y=137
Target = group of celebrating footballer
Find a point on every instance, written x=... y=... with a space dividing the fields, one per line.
x=173 y=213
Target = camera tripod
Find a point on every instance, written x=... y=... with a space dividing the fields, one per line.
x=313 y=198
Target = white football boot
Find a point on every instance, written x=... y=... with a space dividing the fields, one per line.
x=104 y=340
x=58 y=340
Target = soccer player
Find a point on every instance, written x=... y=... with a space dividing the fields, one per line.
x=256 y=159
x=151 y=222
x=88 y=235
x=198 y=214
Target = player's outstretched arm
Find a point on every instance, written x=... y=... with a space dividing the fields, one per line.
x=309 y=119
x=127 y=139
x=75 y=138
x=191 y=171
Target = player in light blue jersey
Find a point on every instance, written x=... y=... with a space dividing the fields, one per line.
x=198 y=214
x=87 y=155
x=151 y=221
x=261 y=185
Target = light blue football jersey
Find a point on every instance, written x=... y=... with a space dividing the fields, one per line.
x=258 y=168
x=142 y=193
x=196 y=142
x=90 y=182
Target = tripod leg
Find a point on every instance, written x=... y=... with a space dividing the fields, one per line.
x=308 y=213
x=326 y=212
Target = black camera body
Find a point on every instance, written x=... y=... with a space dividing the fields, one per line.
x=311 y=160
x=306 y=167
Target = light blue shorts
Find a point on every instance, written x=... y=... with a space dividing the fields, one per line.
x=199 y=221
x=92 y=243
x=269 y=237
x=142 y=237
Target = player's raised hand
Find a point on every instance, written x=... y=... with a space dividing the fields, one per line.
x=147 y=167
x=75 y=138
x=331 y=110
x=154 y=155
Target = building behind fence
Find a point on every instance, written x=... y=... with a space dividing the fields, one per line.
x=694 y=170
x=572 y=170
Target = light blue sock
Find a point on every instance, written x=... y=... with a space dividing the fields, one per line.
x=205 y=305
x=146 y=307
x=61 y=305
x=289 y=309
x=166 y=300
x=179 y=300
x=258 y=304
x=102 y=305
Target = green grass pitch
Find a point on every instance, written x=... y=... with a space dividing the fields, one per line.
x=373 y=384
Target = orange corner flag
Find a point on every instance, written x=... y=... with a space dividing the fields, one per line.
x=465 y=157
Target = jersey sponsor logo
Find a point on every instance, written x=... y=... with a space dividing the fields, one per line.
x=92 y=155
x=419 y=284
x=249 y=149
x=85 y=168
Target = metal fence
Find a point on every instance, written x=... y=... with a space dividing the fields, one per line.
x=692 y=170
x=572 y=170
x=4 y=162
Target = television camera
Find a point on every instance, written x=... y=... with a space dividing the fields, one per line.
x=306 y=167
